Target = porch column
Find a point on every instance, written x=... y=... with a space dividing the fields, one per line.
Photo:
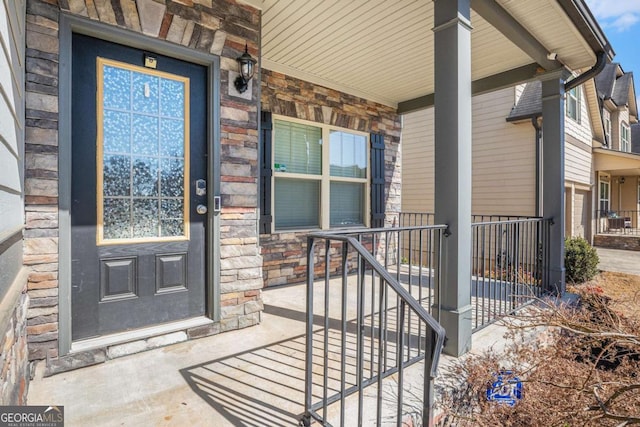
x=553 y=204
x=452 y=19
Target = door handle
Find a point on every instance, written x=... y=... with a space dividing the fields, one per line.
x=201 y=209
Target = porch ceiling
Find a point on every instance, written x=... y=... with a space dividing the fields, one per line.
x=382 y=50
x=615 y=162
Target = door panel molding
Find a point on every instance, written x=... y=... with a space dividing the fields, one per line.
x=72 y=24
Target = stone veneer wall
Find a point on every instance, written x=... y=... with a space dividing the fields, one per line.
x=617 y=241
x=14 y=363
x=221 y=27
x=284 y=254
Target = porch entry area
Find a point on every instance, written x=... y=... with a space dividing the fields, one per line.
x=139 y=188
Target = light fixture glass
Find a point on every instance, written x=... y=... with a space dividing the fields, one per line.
x=247 y=68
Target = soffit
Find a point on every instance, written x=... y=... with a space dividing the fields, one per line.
x=382 y=50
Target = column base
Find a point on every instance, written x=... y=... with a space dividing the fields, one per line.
x=458 y=326
x=557 y=281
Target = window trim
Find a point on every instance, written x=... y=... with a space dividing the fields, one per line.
x=607 y=129
x=325 y=178
x=574 y=94
x=625 y=137
x=601 y=198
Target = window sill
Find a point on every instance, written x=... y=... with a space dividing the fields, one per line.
x=354 y=228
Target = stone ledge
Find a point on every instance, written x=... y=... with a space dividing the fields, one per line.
x=622 y=241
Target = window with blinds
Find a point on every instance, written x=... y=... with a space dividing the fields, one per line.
x=320 y=176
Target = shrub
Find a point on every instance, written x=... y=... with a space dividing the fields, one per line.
x=580 y=260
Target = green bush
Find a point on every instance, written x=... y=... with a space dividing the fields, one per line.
x=580 y=260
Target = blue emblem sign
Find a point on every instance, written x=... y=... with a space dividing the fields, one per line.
x=505 y=389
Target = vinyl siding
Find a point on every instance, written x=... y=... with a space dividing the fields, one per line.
x=580 y=130
x=581 y=214
x=503 y=159
x=12 y=42
x=418 y=158
x=578 y=161
x=618 y=117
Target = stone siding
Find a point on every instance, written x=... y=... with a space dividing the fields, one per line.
x=220 y=27
x=284 y=253
x=14 y=364
x=613 y=241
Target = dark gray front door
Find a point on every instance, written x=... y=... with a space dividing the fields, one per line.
x=138 y=154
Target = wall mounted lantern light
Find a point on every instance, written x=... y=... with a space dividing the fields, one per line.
x=247 y=68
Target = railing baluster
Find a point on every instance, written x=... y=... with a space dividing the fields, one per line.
x=420 y=283
x=325 y=366
x=381 y=349
x=373 y=318
x=400 y=358
x=343 y=331
x=360 y=337
x=410 y=275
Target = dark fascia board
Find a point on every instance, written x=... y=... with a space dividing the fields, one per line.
x=523 y=117
x=581 y=16
x=416 y=104
x=502 y=21
x=478 y=87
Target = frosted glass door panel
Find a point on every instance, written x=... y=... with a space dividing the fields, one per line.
x=143 y=147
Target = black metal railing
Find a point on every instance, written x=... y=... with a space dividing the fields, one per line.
x=365 y=329
x=508 y=266
x=617 y=222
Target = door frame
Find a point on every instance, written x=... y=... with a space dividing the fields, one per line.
x=72 y=24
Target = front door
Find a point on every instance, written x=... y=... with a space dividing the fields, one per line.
x=138 y=212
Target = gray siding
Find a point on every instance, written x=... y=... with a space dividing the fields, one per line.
x=12 y=102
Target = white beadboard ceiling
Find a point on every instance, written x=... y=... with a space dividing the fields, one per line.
x=382 y=50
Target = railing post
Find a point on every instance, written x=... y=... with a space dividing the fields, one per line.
x=308 y=378
x=427 y=398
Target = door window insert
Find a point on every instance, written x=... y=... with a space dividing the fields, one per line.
x=142 y=154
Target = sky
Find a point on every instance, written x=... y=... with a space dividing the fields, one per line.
x=620 y=21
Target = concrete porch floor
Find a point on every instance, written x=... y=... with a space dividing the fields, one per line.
x=249 y=377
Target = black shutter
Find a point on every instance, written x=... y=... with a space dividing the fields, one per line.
x=266 y=171
x=377 y=180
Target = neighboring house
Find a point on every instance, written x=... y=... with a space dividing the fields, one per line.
x=583 y=131
x=506 y=143
x=146 y=200
x=506 y=154
x=617 y=161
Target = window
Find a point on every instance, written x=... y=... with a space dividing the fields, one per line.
x=625 y=138
x=607 y=129
x=320 y=175
x=604 y=198
x=573 y=104
x=142 y=147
